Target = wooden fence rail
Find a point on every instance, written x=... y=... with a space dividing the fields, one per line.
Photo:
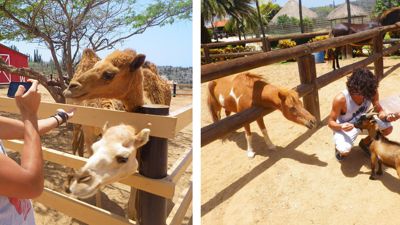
x=265 y=43
x=220 y=69
x=308 y=89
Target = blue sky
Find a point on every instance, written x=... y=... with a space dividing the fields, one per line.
x=312 y=3
x=170 y=45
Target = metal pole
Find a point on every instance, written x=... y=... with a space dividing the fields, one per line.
x=301 y=17
x=348 y=12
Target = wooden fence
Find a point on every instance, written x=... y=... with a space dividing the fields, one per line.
x=265 y=43
x=160 y=126
x=182 y=86
x=310 y=83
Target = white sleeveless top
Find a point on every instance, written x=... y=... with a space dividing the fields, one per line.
x=14 y=211
x=354 y=111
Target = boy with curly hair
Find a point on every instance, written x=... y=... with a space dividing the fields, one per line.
x=349 y=105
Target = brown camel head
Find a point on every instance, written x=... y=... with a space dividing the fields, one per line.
x=112 y=77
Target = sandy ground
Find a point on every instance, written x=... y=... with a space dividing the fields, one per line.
x=301 y=182
x=115 y=196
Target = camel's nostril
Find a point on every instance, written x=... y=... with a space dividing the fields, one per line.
x=73 y=85
x=84 y=178
x=67 y=190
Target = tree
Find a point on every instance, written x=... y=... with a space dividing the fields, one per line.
x=36 y=57
x=237 y=10
x=269 y=10
x=382 y=5
x=66 y=27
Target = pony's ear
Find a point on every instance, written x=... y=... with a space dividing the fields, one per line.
x=137 y=62
x=142 y=137
x=105 y=126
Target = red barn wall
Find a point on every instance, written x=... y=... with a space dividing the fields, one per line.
x=16 y=59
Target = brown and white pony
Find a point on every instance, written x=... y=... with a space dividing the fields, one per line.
x=240 y=92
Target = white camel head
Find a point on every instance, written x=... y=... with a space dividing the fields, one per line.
x=114 y=158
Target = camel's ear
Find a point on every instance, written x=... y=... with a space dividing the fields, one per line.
x=142 y=137
x=137 y=62
x=105 y=126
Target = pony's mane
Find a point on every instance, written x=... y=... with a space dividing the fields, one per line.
x=255 y=77
x=289 y=93
x=384 y=14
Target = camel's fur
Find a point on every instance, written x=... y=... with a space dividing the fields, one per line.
x=129 y=82
x=132 y=81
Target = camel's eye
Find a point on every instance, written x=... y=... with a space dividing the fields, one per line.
x=108 y=75
x=121 y=159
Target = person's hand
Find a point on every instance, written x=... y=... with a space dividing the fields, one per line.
x=70 y=112
x=28 y=103
x=347 y=126
x=392 y=117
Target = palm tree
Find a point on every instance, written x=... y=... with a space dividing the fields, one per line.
x=241 y=11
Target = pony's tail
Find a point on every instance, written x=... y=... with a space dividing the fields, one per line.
x=212 y=103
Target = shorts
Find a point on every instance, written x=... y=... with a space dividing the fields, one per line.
x=344 y=140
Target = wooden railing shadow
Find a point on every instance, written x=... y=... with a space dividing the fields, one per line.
x=351 y=167
x=288 y=151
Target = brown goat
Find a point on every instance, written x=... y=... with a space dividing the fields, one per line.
x=382 y=149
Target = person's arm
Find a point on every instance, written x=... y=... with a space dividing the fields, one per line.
x=14 y=129
x=378 y=108
x=339 y=103
x=25 y=181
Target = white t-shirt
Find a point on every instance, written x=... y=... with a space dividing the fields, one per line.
x=14 y=211
x=353 y=110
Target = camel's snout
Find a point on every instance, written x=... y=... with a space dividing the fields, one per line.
x=73 y=88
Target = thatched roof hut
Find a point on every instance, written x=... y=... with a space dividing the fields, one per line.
x=291 y=9
x=341 y=12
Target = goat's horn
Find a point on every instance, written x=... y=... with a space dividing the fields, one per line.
x=371 y=114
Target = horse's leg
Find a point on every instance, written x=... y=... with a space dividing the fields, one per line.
x=250 y=151
x=261 y=125
x=214 y=107
x=336 y=58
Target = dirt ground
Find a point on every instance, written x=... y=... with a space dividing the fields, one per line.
x=301 y=182
x=115 y=196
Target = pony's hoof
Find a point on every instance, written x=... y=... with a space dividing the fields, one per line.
x=372 y=177
x=250 y=154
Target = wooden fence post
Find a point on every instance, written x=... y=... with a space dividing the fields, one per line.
x=308 y=75
x=174 y=90
x=378 y=49
x=153 y=163
x=266 y=46
x=206 y=54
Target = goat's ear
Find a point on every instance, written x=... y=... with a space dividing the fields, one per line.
x=137 y=62
x=105 y=126
x=142 y=137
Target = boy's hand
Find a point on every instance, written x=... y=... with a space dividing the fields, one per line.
x=347 y=126
x=392 y=117
x=28 y=103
